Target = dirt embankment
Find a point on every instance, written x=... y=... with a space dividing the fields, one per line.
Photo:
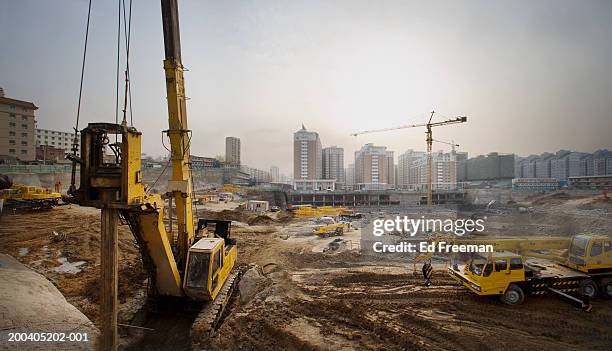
x=71 y=259
x=248 y=217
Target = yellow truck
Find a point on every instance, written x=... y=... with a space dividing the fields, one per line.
x=335 y=229
x=582 y=272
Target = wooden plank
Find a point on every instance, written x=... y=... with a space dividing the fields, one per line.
x=108 y=279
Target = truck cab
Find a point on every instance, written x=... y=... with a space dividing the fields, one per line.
x=490 y=275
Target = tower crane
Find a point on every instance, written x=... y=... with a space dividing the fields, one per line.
x=429 y=139
x=451 y=143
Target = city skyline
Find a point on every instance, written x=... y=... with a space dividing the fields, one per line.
x=531 y=77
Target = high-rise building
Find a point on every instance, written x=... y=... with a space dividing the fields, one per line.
x=543 y=165
x=498 y=166
x=307 y=155
x=404 y=164
x=443 y=175
x=374 y=166
x=349 y=176
x=275 y=174
x=232 y=151
x=17 y=129
x=333 y=164
x=601 y=162
x=564 y=164
x=462 y=161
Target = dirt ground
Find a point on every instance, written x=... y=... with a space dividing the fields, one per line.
x=342 y=303
x=328 y=301
x=313 y=298
x=30 y=239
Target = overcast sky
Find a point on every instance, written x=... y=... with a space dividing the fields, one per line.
x=531 y=76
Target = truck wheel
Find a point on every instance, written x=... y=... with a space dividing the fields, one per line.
x=514 y=295
x=588 y=288
x=606 y=288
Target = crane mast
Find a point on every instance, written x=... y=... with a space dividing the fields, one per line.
x=429 y=140
x=179 y=185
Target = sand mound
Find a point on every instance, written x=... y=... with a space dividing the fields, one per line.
x=30 y=303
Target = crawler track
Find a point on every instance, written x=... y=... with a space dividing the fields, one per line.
x=209 y=319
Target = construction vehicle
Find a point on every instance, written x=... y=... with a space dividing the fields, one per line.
x=566 y=267
x=429 y=140
x=180 y=263
x=20 y=197
x=231 y=188
x=309 y=211
x=335 y=229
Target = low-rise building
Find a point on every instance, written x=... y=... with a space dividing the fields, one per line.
x=55 y=138
x=257 y=175
x=258 y=206
x=535 y=184
x=50 y=154
x=600 y=182
x=204 y=162
x=314 y=184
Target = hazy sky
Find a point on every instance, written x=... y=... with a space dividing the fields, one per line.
x=531 y=76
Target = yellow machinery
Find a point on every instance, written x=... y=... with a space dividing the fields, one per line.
x=322 y=211
x=335 y=229
x=231 y=188
x=206 y=198
x=581 y=264
x=24 y=197
x=180 y=264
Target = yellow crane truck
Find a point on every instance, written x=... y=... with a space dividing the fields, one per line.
x=576 y=269
x=335 y=229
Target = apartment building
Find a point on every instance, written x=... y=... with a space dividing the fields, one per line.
x=232 y=151
x=374 y=165
x=443 y=176
x=404 y=164
x=17 y=129
x=333 y=164
x=275 y=174
x=55 y=138
x=307 y=155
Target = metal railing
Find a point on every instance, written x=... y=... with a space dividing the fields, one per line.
x=7 y=169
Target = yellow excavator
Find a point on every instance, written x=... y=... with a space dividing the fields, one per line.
x=21 y=197
x=576 y=268
x=181 y=263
